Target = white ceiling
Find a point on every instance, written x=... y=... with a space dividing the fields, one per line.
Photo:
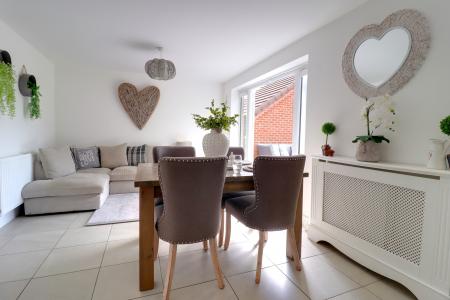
x=206 y=39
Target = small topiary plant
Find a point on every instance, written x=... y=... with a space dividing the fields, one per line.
x=445 y=126
x=328 y=129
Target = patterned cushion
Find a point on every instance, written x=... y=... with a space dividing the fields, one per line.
x=86 y=158
x=136 y=155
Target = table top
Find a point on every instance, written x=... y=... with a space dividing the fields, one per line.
x=147 y=175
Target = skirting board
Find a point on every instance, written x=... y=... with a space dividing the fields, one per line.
x=8 y=217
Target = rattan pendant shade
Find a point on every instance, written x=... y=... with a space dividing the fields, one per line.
x=160 y=69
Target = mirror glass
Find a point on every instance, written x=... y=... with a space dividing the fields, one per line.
x=377 y=60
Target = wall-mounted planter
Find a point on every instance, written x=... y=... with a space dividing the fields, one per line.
x=23 y=84
x=5 y=57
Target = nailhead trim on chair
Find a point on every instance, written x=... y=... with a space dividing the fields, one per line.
x=190 y=160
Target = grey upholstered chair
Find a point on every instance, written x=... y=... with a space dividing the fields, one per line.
x=192 y=190
x=235 y=151
x=277 y=185
x=172 y=151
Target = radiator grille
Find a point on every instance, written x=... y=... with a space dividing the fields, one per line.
x=388 y=216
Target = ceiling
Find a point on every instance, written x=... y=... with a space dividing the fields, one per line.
x=206 y=39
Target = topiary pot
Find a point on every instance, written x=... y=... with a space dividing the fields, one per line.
x=5 y=57
x=23 y=84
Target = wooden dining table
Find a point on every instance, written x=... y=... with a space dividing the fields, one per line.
x=147 y=180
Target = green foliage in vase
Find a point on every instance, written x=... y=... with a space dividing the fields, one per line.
x=445 y=126
x=34 y=106
x=7 y=93
x=218 y=118
x=328 y=129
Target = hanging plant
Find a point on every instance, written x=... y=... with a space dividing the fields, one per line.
x=34 y=106
x=7 y=93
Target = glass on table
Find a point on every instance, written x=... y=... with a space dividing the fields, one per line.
x=237 y=164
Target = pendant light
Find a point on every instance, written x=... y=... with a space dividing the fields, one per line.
x=159 y=68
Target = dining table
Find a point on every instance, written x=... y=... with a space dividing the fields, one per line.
x=147 y=180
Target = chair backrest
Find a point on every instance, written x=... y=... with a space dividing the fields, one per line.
x=278 y=181
x=192 y=190
x=274 y=149
x=172 y=151
x=236 y=151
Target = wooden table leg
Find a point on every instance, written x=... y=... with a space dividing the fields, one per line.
x=146 y=224
x=297 y=226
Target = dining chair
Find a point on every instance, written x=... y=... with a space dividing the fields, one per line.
x=225 y=196
x=192 y=190
x=277 y=183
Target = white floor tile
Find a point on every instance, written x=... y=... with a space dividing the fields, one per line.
x=350 y=268
x=359 y=294
x=72 y=286
x=190 y=268
x=122 y=282
x=204 y=291
x=389 y=290
x=274 y=285
x=318 y=279
x=81 y=220
x=20 y=266
x=32 y=242
x=121 y=251
x=72 y=259
x=124 y=231
x=240 y=258
x=85 y=235
x=12 y=290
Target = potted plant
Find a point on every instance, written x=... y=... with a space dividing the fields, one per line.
x=216 y=143
x=7 y=81
x=438 y=147
x=34 y=106
x=328 y=129
x=378 y=115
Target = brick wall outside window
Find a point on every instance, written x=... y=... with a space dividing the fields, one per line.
x=274 y=124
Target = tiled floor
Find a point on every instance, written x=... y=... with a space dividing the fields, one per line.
x=57 y=258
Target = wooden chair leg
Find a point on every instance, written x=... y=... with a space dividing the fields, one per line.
x=169 y=271
x=228 y=232
x=155 y=244
x=222 y=226
x=205 y=246
x=294 y=250
x=260 y=256
x=215 y=261
x=266 y=236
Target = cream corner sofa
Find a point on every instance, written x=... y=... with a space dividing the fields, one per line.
x=84 y=190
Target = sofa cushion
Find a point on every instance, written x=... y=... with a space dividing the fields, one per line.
x=57 y=162
x=76 y=184
x=113 y=157
x=95 y=171
x=86 y=158
x=137 y=155
x=126 y=173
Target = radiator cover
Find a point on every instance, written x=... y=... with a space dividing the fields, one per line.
x=388 y=216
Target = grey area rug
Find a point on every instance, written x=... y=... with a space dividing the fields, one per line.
x=118 y=208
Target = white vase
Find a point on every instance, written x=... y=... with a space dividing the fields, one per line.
x=436 y=159
x=368 y=151
x=215 y=143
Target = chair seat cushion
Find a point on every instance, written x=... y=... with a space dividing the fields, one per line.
x=72 y=185
x=230 y=195
x=236 y=206
x=125 y=173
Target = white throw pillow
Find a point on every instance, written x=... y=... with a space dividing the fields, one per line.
x=57 y=162
x=113 y=157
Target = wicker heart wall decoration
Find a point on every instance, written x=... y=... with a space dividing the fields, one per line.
x=138 y=104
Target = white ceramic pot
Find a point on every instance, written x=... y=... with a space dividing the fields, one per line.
x=215 y=143
x=368 y=151
x=436 y=159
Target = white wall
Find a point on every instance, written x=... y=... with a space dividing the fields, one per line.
x=421 y=104
x=21 y=134
x=89 y=112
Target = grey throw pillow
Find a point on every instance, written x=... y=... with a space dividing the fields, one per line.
x=86 y=158
x=57 y=162
x=113 y=157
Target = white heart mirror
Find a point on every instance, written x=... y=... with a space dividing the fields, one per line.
x=380 y=59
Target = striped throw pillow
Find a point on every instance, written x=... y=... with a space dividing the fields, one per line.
x=136 y=155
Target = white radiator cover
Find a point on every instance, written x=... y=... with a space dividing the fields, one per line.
x=393 y=219
x=15 y=173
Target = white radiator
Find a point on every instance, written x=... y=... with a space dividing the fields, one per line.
x=15 y=173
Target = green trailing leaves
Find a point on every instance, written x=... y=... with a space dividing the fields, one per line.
x=34 y=106
x=7 y=92
x=218 y=118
